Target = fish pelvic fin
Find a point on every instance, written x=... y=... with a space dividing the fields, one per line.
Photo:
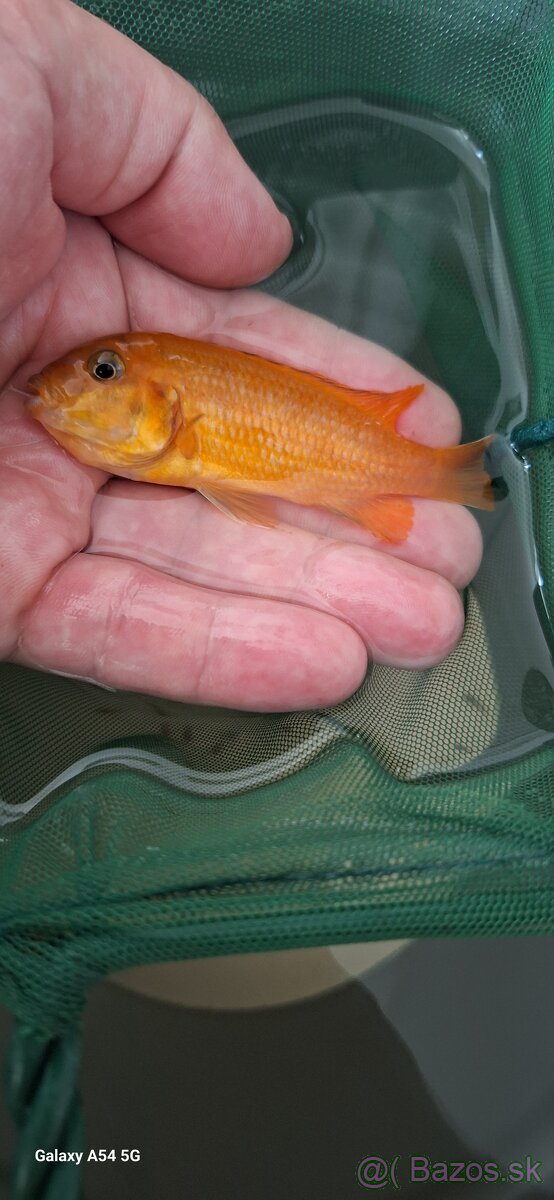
x=241 y=505
x=463 y=478
x=388 y=518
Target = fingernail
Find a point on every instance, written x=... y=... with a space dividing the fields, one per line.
x=295 y=233
x=289 y=236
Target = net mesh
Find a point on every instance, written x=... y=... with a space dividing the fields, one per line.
x=412 y=145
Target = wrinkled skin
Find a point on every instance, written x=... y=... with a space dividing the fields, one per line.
x=125 y=205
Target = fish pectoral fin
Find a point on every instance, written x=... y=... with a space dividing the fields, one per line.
x=185 y=439
x=242 y=505
x=389 y=518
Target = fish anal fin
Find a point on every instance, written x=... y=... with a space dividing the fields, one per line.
x=242 y=505
x=388 y=518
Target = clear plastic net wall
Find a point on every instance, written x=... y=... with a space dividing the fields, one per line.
x=412 y=145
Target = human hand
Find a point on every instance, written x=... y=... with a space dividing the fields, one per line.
x=148 y=588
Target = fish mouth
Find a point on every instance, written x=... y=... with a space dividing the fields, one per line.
x=53 y=402
x=33 y=404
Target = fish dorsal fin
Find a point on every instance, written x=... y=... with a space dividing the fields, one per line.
x=383 y=407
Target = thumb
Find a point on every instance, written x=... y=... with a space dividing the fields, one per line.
x=111 y=132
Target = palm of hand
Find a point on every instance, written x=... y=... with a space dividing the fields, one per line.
x=170 y=596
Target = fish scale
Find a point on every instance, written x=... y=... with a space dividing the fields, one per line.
x=288 y=443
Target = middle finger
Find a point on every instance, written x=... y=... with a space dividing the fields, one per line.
x=407 y=616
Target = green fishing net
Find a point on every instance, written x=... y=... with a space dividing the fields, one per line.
x=412 y=145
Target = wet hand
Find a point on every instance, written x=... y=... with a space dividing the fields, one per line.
x=125 y=205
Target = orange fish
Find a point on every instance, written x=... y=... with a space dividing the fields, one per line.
x=243 y=430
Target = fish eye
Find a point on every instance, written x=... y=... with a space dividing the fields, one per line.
x=105 y=365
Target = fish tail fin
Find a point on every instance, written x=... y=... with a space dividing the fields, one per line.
x=463 y=478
